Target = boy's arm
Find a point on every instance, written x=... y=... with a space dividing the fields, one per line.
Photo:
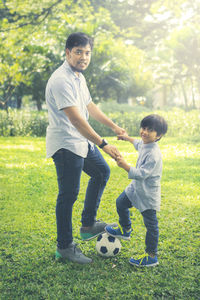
x=144 y=171
x=122 y=163
x=135 y=142
x=125 y=137
x=137 y=173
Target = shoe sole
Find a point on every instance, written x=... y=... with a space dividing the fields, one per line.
x=143 y=266
x=58 y=256
x=92 y=237
x=121 y=237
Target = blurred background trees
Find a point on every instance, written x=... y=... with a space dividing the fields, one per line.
x=146 y=52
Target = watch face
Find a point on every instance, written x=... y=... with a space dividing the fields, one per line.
x=104 y=143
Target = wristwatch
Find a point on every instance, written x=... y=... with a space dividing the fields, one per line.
x=104 y=143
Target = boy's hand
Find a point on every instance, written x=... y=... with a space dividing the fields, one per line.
x=125 y=137
x=122 y=163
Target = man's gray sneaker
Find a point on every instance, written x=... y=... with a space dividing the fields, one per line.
x=91 y=232
x=73 y=253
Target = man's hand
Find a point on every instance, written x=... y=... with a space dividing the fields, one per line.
x=98 y=115
x=112 y=151
x=122 y=163
x=118 y=130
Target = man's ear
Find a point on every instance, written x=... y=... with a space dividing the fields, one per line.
x=67 y=52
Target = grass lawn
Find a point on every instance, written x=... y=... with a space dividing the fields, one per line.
x=28 y=231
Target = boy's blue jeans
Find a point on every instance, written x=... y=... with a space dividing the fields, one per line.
x=69 y=167
x=150 y=220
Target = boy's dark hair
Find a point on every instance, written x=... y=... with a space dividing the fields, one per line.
x=78 y=39
x=156 y=123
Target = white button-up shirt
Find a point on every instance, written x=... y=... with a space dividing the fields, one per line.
x=144 y=191
x=65 y=89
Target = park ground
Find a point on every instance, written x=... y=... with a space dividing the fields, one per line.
x=28 y=230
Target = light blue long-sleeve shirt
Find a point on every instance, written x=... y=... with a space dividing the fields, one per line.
x=144 y=191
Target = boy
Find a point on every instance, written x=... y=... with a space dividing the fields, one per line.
x=143 y=192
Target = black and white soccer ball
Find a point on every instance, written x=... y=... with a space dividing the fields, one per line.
x=107 y=245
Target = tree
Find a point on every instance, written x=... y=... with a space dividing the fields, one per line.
x=179 y=57
x=135 y=48
x=30 y=49
x=18 y=34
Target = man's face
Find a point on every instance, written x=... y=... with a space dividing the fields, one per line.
x=79 y=57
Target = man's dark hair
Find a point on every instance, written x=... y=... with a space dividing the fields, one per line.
x=78 y=39
x=156 y=123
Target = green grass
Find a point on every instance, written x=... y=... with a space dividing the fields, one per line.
x=28 y=231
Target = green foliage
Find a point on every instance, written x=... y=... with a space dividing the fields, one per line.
x=28 y=229
x=113 y=106
x=138 y=45
x=180 y=123
x=24 y=123
x=29 y=53
x=27 y=123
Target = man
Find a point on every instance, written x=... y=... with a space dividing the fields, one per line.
x=71 y=142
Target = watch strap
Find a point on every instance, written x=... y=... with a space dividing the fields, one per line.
x=104 y=143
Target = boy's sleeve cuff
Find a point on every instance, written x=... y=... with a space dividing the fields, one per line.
x=131 y=173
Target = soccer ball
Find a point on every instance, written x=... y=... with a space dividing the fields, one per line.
x=107 y=245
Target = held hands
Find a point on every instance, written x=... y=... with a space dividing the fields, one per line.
x=122 y=163
x=125 y=137
x=122 y=134
x=118 y=130
x=112 y=151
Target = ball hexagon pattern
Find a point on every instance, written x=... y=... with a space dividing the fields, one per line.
x=107 y=245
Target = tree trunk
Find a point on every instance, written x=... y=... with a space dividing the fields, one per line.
x=193 y=96
x=39 y=104
x=19 y=102
x=184 y=95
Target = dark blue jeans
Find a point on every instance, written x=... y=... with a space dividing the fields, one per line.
x=150 y=221
x=69 y=167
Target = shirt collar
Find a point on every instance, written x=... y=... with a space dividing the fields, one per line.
x=68 y=68
x=149 y=145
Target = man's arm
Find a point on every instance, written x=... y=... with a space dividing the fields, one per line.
x=98 y=115
x=87 y=131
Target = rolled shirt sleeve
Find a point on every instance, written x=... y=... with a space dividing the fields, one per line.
x=63 y=94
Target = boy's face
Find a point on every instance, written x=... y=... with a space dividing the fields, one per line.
x=79 y=57
x=148 y=135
